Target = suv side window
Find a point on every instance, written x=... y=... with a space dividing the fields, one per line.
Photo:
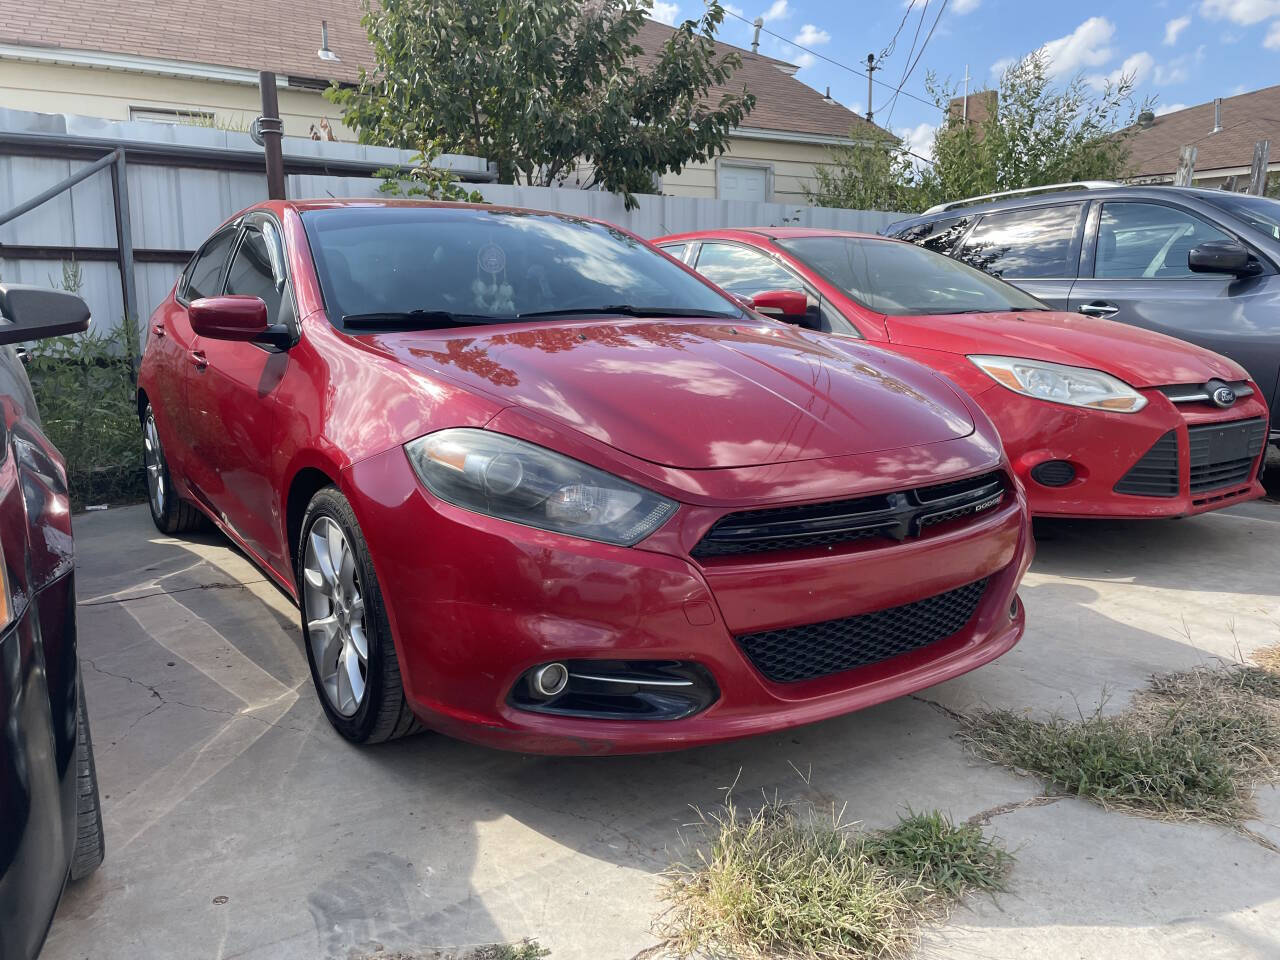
x=205 y=272
x=253 y=272
x=743 y=271
x=1149 y=241
x=941 y=236
x=1024 y=243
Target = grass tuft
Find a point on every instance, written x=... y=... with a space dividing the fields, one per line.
x=785 y=881
x=1191 y=747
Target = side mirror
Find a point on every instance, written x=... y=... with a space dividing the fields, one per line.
x=1222 y=256
x=37 y=312
x=791 y=305
x=237 y=318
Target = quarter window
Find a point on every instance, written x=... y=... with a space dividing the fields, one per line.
x=1024 y=243
x=743 y=271
x=1149 y=241
x=941 y=236
x=206 y=269
x=253 y=274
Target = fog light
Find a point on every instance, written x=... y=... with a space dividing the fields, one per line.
x=1053 y=473
x=550 y=680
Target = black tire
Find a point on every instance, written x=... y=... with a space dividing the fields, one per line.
x=169 y=512
x=384 y=712
x=89 y=838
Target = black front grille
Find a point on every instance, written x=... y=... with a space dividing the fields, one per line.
x=895 y=515
x=1222 y=454
x=1156 y=474
x=819 y=649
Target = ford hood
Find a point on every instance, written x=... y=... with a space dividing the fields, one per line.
x=1139 y=357
x=697 y=394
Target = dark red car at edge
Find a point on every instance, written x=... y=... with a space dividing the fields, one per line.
x=1099 y=419
x=535 y=485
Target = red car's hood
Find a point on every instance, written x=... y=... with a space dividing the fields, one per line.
x=1138 y=357
x=697 y=394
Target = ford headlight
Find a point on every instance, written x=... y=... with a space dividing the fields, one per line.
x=1075 y=386
x=514 y=480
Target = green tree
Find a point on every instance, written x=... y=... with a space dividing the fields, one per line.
x=544 y=87
x=866 y=176
x=1037 y=134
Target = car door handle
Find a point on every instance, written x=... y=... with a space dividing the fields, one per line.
x=198 y=358
x=1099 y=308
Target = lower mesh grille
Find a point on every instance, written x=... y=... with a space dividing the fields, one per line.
x=1222 y=454
x=1156 y=474
x=819 y=649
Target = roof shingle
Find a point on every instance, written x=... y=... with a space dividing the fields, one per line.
x=284 y=35
x=1246 y=119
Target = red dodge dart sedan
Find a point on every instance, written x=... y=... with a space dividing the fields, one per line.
x=1099 y=419
x=535 y=485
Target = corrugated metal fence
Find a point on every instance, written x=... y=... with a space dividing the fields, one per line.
x=173 y=208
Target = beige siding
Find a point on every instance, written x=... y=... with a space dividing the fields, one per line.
x=56 y=88
x=792 y=163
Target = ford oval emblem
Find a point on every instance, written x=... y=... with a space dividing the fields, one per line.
x=1224 y=397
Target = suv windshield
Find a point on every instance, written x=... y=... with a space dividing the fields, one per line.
x=900 y=279
x=415 y=267
x=1261 y=213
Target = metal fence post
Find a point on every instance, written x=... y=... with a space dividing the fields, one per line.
x=124 y=254
x=272 y=129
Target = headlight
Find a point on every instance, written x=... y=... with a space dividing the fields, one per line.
x=503 y=477
x=1076 y=386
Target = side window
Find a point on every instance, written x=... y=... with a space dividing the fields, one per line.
x=941 y=236
x=742 y=270
x=678 y=250
x=1024 y=243
x=253 y=272
x=1149 y=240
x=206 y=269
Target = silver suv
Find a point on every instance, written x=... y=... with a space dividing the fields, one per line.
x=1200 y=265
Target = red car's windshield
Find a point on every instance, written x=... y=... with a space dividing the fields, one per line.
x=900 y=279
x=430 y=266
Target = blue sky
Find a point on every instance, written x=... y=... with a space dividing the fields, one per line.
x=1182 y=52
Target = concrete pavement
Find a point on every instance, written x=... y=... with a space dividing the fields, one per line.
x=238 y=825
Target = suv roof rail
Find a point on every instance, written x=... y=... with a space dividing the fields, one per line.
x=1074 y=185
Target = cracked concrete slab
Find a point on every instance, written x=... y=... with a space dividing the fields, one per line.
x=221 y=778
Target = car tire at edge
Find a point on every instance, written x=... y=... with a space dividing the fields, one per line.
x=382 y=711
x=169 y=512
x=89 y=837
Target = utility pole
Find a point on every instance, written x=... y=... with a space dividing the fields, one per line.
x=871 y=69
x=964 y=107
x=270 y=129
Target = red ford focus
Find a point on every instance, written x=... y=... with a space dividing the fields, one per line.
x=535 y=485
x=1099 y=419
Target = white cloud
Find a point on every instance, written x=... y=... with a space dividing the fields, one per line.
x=1244 y=12
x=811 y=36
x=777 y=11
x=964 y=6
x=1085 y=46
x=1173 y=73
x=665 y=12
x=1136 y=68
x=918 y=139
x=731 y=8
x=1161 y=110
x=1273 y=37
x=804 y=59
x=1173 y=28
x=1000 y=66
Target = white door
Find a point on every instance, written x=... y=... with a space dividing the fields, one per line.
x=743 y=183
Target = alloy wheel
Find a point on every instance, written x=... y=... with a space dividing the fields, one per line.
x=154 y=461
x=334 y=610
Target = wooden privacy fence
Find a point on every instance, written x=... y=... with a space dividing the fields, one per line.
x=183 y=181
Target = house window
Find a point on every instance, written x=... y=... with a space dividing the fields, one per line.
x=198 y=118
x=743 y=181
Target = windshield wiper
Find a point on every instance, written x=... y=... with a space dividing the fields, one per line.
x=414 y=319
x=627 y=310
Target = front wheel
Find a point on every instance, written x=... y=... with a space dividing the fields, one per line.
x=169 y=512
x=89 y=838
x=348 y=638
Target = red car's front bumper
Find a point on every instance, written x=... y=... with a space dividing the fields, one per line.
x=476 y=602
x=1103 y=448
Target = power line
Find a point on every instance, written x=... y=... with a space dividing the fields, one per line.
x=834 y=63
x=887 y=52
x=906 y=76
